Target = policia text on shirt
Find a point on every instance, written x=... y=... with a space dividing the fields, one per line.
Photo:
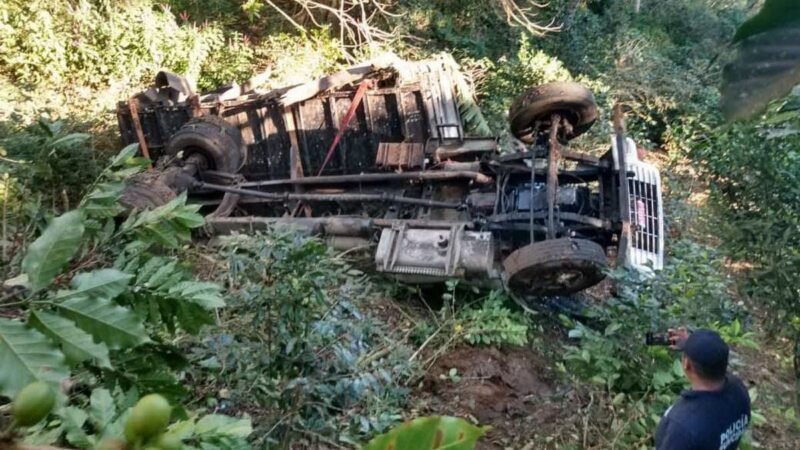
x=715 y=412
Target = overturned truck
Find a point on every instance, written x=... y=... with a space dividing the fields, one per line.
x=377 y=157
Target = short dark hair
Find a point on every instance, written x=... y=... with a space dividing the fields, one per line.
x=708 y=354
x=709 y=372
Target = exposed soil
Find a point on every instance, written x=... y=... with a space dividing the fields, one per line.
x=511 y=389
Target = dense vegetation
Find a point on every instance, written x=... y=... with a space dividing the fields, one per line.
x=274 y=339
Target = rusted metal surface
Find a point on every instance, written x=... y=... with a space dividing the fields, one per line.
x=453 y=149
x=137 y=126
x=378 y=152
x=194 y=101
x=552 y=175
x=624 y=195
x=286 y=197
x=400 y=155
x=329 y=226
x=376 y=178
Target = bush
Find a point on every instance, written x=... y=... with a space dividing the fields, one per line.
x=610 y=350
x=45 y=161
x=754 y=173
x=490 y=321
x=296 y=349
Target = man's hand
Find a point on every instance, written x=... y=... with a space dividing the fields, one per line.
x=677 y=336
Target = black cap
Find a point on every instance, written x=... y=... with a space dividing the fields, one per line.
x=708 y=351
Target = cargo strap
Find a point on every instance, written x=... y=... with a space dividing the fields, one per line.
x=133 y=105
x=351 y=112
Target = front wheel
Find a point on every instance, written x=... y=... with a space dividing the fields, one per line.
x=554 y=267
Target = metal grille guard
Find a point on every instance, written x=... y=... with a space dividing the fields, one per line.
x=646 y=212
x=646 y=249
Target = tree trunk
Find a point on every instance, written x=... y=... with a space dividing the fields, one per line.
x=797 y=370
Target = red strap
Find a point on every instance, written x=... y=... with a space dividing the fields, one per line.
x=351 y=112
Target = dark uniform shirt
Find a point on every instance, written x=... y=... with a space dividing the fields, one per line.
x=706 y=420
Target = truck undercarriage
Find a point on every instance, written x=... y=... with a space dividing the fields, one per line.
x=376 y=156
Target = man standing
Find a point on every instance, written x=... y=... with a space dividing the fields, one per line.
x=714 y=414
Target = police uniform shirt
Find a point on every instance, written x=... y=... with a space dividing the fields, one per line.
x=706 y=420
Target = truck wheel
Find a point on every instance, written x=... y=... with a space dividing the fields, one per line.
x=555 y=267
x=220 y=142
x=570 y=100
x=145 y=191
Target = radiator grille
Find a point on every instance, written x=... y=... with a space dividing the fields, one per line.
x=646 y=217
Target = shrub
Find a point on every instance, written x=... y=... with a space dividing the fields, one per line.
x=753 y=171
x=296 y=347
x=491 y=321
x=610 y=350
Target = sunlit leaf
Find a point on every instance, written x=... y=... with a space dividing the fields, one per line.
x=48 y=254
x=101 y=408
x=219 y=424
x=429 y=433
x=77 y=345
x=105 y=283
x=108 y=322
x=27 y=355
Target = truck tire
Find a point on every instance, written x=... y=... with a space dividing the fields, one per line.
x=220 y=142
x=145 y=191
x=555 y=267
x=571 y=100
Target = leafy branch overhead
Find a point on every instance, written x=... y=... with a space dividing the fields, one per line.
x=767 y=63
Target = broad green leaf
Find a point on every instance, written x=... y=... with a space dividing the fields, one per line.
x=766 y=67
x=167 y=225
x=103 y=201
x=73 y=420
x=27 y=355
x=774 y=14
x=189 y=218
x=48 y=254
x=71 y=139
x=101 y=408
x=108 y=322
x=425 y=433
x=125 y=154
x=77 y=345
x=205 y=294
x=104 y=283
x=219 y=424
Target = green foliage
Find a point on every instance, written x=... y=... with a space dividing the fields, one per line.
x=97 y=420
x=610 y=350
x=492 y=322
x=169 y=225
x=754 y=190
x=76 y=344
x=763 y=70
x=97 y=316
x=94 y=43
x=507 y=76
x=167 y=294
x=48 y=254
x=47 y=160
x=469 y=28
x=659 y=62
x=26 y=356
x=429 y=433
x=295 y=345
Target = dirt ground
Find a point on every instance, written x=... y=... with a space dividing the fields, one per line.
x=510 y=389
